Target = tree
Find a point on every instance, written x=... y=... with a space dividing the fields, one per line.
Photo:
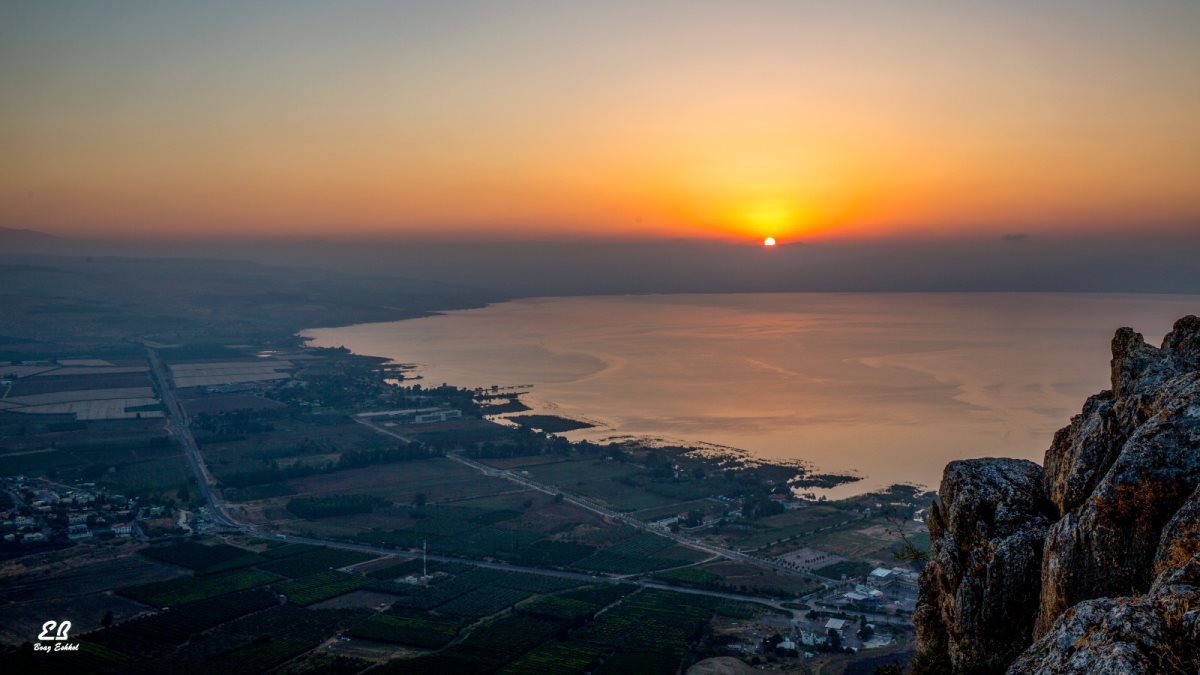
x=834 y=639
x=558 y=498
x=419 y=500
x=107 y=620
x=909 y=551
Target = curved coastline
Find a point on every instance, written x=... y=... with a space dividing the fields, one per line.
x=890 y=387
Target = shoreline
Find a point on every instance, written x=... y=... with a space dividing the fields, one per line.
x=807 y=484
x=888 y=402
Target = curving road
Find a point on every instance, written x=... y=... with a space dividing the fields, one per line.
x=598 y=509
x=177 y=426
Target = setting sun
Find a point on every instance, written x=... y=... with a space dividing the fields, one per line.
x=769 y=241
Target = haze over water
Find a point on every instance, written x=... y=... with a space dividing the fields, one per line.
x=889 y=387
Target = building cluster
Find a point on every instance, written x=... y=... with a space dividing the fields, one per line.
x=40 y=513
x=807 y=636
x=882 y=589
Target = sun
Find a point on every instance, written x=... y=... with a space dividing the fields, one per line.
x=769 y=241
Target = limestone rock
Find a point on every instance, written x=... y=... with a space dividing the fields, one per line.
x=976 y=601
x=1092 y=565
x=1108 y=548
x=1158 y=632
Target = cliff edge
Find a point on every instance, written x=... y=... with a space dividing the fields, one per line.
x=1089 y=563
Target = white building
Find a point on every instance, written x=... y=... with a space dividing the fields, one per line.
x=835 y=624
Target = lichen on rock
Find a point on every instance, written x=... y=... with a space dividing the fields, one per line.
x=1091 y=565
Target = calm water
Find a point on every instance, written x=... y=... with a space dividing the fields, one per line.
x=889 y=387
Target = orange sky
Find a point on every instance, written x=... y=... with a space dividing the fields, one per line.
x=546 y=119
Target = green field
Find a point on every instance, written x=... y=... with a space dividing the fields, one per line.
x=191 y=589
x=184 y=621
x=481 y=602
x=414 y=631
x=201 y=558
x=798 y=523
x=848 y=568
x=602 y=480
x=320 y=586
x=313 y=560
x=640 y=553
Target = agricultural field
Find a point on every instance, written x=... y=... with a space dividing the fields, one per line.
x=413 y=631
x=577 y=606
x=536 y=530
x=120 y=405
x=640 y=553
x=134 y=457
x=224 y=613
x=38 y=432
x=645 y=632
x=81 y=379
x=802 y=522
x=874 y=542
x=240 y=442
x=273 y=636
x=201 y=558
x=22 y=621
x=752 y=580
x=439 y=479
x=366 y=598
x=847 y=568
x=313 y=560
x=651 y=628
x=182 y=622
x=153 y=478
x=617 y=485
x=75 y=575
x=552 y=424
x=552 y=658
x=217 y=373
x=85 y=392
x=191 y=589
x=223 y=403
x=689 y=576
x=320 y=586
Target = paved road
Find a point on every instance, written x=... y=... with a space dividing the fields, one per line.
x=606 y=512
x=177 y=425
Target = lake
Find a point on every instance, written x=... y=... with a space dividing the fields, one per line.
x=888 y=387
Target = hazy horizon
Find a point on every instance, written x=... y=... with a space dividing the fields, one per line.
x=501 y=269
x=537 y=120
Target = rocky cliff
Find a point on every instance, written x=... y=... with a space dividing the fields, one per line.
x=1089 y=563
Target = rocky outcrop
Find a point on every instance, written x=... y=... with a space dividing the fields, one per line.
x=1090 y=563
x=976 y=601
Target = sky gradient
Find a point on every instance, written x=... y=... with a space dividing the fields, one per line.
x=805 y=121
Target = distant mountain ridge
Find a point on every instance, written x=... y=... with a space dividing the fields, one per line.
x=10 y=236
x=1090 y=563
x=509 y=268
